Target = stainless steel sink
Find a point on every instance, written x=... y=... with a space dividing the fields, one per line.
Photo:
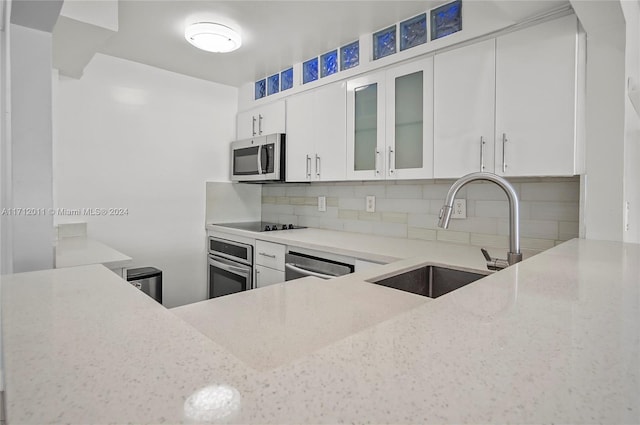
x=430 y=281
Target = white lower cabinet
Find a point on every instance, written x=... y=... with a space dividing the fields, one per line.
x=269 y=263
x=266 y=276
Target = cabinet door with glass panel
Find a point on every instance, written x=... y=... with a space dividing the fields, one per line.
x=390 y=123
x=409 y=121
x=366 y=127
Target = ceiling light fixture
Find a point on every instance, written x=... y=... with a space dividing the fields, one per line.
x=212 y=37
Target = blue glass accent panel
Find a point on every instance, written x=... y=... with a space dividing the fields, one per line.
x=310 y=70
x=413 y=32
x=350 y=55
x=286 y=79
x=261 y=89
x=384 y=43
x=446 y=20
x=273 y=84
x=329 y=63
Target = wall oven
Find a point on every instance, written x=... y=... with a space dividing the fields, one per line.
x=230 y=267
x=260 y=159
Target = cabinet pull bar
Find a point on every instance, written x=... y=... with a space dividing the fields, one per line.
x=308 y=167
x=504 y=161
x=391 y=164
x=253 y=126
x=317 y=166
x=482 y=143
x=260 y=124
x=264 y=254
x=376 y=163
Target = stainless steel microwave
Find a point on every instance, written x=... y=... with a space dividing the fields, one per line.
x=260 y=159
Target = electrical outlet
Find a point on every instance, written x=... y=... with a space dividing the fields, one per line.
x=459 y=208
x=371 y=203
x=322 y=203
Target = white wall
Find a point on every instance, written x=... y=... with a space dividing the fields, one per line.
x=31 y=151
x=137 y=137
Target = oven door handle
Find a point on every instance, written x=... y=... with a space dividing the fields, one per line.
x=224 y=265
x=259 y=159
x=306 y=272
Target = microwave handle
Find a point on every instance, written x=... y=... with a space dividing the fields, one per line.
x=259 y=159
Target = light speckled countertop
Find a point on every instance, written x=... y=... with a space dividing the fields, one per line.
x=81 y=251
x=552 y=339
x=370 y=247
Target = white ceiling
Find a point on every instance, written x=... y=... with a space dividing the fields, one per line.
x=275 y=34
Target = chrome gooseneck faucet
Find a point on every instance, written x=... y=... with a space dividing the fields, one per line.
x=514 y=255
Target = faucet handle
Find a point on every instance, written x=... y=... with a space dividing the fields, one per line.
x=494 y=263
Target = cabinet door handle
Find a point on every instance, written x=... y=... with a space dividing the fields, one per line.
x=264 y=254
x=317 y=166
x=257 y=285
x=308 y=167
x=504 y=161
x=306 y=272
x=253 y=126
x=482 y=143
x=391 y=164
x=260 y=124
x=376 y=163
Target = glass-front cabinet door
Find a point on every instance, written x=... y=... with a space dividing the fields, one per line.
x=390 y=123
x=366 y=127
x=409 y=121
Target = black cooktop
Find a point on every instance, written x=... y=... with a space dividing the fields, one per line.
x=259 y=226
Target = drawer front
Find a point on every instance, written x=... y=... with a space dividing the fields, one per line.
x=270 y=255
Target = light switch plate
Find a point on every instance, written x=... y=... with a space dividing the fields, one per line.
x=459 y=208
x=371 y=203
x=322 y=203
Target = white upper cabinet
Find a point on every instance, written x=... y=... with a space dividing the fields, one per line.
x=464 y=85
x=300 y=141
x=267 y=119
x=390 y=123
x=536 y=80
x=330 y=128
x=366 y=127
x=409 y=121
x=316 y=134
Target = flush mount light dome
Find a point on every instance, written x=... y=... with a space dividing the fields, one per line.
x=212 y=37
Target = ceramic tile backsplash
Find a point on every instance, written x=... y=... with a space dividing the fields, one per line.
x=548 y=210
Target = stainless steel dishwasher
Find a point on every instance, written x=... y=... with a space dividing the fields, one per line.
x=299 y=265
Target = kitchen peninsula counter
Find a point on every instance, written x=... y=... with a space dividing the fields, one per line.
x=552 y=339
x=81 y=251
